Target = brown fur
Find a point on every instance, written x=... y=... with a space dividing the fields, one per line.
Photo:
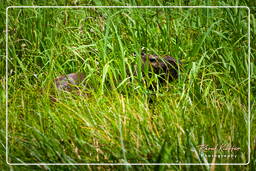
x=166 y=66
x=69 y=82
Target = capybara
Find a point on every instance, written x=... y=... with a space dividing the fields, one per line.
x=69 y=82
x=166 y=66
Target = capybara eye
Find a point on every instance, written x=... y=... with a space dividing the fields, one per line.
x=152 y=59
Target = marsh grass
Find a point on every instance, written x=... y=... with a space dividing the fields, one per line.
x=113 y=121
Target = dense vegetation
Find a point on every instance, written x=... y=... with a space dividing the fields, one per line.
x=111 y=120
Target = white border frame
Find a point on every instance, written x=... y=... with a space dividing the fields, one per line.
x=249 y=105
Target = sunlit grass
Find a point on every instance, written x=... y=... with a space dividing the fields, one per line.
x=112 y=121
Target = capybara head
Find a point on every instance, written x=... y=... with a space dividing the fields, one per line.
x=166 y=66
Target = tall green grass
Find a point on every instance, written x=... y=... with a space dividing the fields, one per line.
x=114 y=122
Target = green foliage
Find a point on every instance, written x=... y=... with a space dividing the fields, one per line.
x=111 y=120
